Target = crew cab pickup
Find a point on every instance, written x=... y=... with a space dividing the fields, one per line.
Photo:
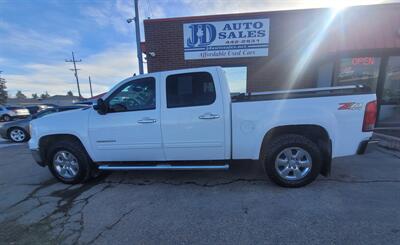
x=187 y=120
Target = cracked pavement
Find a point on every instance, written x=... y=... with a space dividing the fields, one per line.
x=358 y=204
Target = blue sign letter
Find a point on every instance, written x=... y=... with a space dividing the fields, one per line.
x=201 y=35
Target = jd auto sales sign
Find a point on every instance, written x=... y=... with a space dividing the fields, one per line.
x=226 y=39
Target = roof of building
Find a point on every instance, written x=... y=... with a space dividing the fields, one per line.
x=254 y=14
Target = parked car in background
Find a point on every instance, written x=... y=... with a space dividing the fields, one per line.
x=33 y=109
x=18 y=131
x=8 y=113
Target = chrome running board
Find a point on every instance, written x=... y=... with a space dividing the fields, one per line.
x=165 y=167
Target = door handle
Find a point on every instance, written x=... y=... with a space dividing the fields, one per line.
x=209 y=116
x=147 y=120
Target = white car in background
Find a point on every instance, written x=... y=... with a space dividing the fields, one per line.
x=8 y=113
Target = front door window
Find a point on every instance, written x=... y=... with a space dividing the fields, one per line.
x=137 y=95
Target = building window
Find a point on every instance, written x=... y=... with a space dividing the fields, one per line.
x=324 y=76
x=358 y=70
x=136 y=95
x=237 y=78
x=190 y=89
x=391 y=86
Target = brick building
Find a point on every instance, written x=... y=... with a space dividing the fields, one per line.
x=302 y=48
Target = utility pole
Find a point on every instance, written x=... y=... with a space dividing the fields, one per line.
x=137 y=30
x=139 y=48
x=90 y=84
x=75 y=72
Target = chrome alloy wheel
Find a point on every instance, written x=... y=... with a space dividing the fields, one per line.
x=293 y=163
x=66 y=164
x=17 y=135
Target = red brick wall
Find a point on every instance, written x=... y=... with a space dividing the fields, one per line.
x=292 y=33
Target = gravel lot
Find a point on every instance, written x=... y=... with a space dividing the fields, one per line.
x=358 y=204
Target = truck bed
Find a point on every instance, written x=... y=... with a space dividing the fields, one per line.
x=255 y=114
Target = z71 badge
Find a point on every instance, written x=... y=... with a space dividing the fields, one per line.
x=350 y=106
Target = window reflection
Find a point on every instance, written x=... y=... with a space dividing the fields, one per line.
x=358 y=70
x=136 y=95
x=391 y=87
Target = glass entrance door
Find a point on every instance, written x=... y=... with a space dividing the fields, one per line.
x=389 y=95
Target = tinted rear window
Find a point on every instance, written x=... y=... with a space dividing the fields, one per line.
x=190 y=89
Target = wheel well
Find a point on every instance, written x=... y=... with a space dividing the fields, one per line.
x=315 y=133
x=48 y=140
x=11 y=128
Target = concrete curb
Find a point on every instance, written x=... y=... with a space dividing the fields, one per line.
x=387 y=141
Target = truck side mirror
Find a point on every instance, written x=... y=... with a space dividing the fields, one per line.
x=101 y=107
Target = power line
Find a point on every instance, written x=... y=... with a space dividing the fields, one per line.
x=75 y=70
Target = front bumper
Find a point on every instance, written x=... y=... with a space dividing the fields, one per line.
x=3 y=133
x=38 y=157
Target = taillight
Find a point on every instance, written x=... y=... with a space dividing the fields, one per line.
x=370 y=116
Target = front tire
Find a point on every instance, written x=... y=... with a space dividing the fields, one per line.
x=69 y=162
x=293 y=160
x=18 y=135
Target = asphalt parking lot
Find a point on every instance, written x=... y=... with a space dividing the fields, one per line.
x=358 y=204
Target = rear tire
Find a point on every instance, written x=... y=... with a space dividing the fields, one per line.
x=69 y=162
x=18 y=135
x=6 y=118
x=293 y=160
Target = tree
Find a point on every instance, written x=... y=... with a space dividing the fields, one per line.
x=20 y=95
x=45 y=95
x=69 y=93
x=3 y=91
x=35 y=96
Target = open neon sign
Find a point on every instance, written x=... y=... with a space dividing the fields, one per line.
x=363 y=61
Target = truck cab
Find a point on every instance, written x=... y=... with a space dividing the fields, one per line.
x=165 y=116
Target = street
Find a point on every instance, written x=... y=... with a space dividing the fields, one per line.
x=6 y=143
x=358 y=204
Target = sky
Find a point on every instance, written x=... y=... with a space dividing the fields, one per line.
x=36 y=36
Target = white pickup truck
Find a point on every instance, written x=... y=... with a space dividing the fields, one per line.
x=187 y=120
